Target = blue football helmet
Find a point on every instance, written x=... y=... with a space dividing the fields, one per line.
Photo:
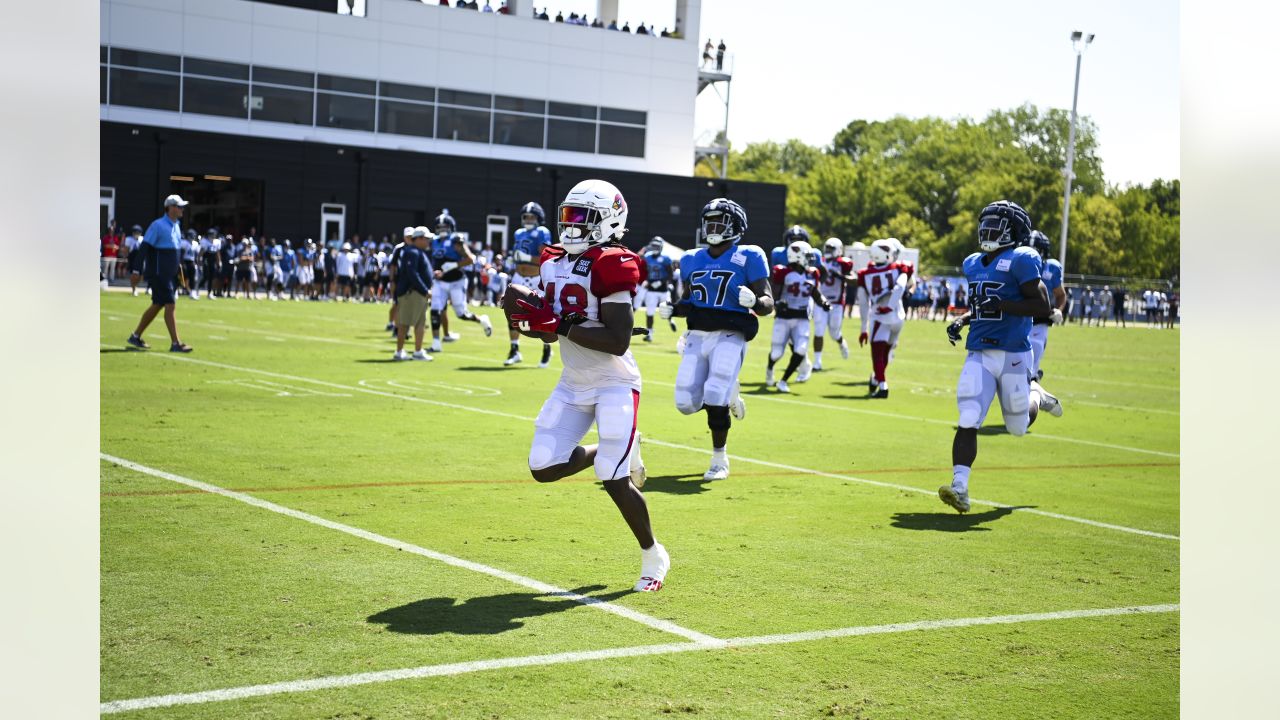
x=445 y=224
x=723 y=220
x=794 y=233
x=1003 y=224
x=656 y=244
x=1040 y=242
x=534 y=209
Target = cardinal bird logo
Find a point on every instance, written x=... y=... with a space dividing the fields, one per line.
x=618 y=203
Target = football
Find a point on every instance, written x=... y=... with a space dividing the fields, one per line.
x=509 y=308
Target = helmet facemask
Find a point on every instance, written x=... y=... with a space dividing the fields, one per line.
x=579 y=228
x=717 y=228
x=994 y=233
x=529 y=220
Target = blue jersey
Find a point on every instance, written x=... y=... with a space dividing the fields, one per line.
x=661 y=269
x=778 y=256
x=276 y=253
x=528 y=244
x=1051 y=275
x=714 y=281
x=443 y=251
x=288 y=261
x=1002 y=277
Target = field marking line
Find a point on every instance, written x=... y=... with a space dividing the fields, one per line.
x=451 y=669
x=650 y=439
x=545 y=588
x=1074 y=397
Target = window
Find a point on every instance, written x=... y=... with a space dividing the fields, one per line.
x=456 y=124
x=538 y=107
x=344 y=111
x=404 y=118
x=406 y=92
x=102 y=85
x=102 y=53
x=623 y=116
x=215 y=97
x=144 y=89
x=520 y=130
x=346 y=84
x=622 y=140
x=275 y=76
x=215 y=68
x=585 y=112
x=147 y=60
x=570 y=135
x=470 y=99
x=280 y=105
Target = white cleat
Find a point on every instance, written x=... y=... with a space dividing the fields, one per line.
x=422 y=355
x=512 y=359
x=719 y=470
x=738 y=409
x=638 y=474
x=1048 y=402
x=783 y=387
x=654 y=564
x=486 y=325
x=805 y=370
x=817 y=367
x=844 y=349
x=768 y=377
x=400 y=355
x=435 y=345
x=955 y=498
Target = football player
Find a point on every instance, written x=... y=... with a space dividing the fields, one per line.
x=1051 y=275
x=794 y=285
x=726 y=287
x=1005 y=292
x=530 y=240
x=588 y=285
x=881 y=285
x=837 y=272
x=449 y=254
x=660 y=272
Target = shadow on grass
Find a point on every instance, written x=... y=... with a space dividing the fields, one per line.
x=951 y=521
x=116 y=350
x=852 y=397
x=496 y=368
x=486 y=615
x=692 y=484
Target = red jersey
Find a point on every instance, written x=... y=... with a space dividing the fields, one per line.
x=879 y=280
x=834 y=272
x=797 y=288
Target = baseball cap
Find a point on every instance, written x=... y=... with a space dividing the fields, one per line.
x=408 y=230
x=136 y=228
x=174 y=200
x=421 y=231
x=346 y=246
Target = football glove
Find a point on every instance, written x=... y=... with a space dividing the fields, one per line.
x=535 y=319
x=986 y=304
x=862 y=339
x=746 y=297
x=953 y=330
x=1055 y=317
x=666 y=310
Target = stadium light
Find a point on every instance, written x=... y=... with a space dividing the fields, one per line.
x=1079 y=47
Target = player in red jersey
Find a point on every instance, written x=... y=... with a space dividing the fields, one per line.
x=794 y=284
x=881 y=285
x=588 y=282
x=837 y=273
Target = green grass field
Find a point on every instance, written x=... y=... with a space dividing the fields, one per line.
x=829 y=521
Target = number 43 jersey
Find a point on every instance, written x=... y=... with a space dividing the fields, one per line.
x=1002 y=276
x=580 y=284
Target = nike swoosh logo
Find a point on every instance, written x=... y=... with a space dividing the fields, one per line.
x=1017 y=363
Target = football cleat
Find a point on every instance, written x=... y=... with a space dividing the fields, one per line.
x=955 y=498
x=487 y=325
x=719 y=470
x=768 y=377
x=638 y=474
x=546 y=356
x=844 y=349
x=452 y=337
x=738 y=408
x=654 y=564
x=400 y=355
x=880 y=393
x=782 y=387
x=806 y=369
x=1048 y=401
x=872 y=385
x=422 y=355
x=817 y=366
x=512 y=359
x=648 y=336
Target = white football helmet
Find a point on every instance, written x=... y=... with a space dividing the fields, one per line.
x=798 y=253
x=881 y=251
x=833 y=248
x=898 y=247
x=592 y=213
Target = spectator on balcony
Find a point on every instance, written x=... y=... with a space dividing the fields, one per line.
x=706 y=53
x=487 y=7
x=640 y=30
x=597 y=23
x=613 y=25
x=503 y=9
x=626 y=26
x=559 y=16
x=544 y=16
x=446 y=2
x=720 y=55
x=665 y=33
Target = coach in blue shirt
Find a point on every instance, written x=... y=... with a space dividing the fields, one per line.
x=160 y=252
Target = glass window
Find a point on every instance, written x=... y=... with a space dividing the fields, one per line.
x=282 y=77
x=102 y=53
x=585 y=112
x=150 y=60
x=406 y=118
x=622 y=116
x=621 y=140
x=502 y=102
x=406 y=92
x=216 y=68
x=458 y=97
x=280 y=105
x=144 y=89
x=346 y=84
x=470 y=125
x=102 y=85
x=344 y=111
x=571 y=135
x=518 y=130
x=215 y=97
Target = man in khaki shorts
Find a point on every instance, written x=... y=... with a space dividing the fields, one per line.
x=413 y=278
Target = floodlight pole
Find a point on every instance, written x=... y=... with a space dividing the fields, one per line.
x=1071 y=149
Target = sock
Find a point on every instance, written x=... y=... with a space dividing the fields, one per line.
x=515 y=346
x=718 y=455
x=546 y=352
x=960 y=478
x=817 y=357
x=879 y=359
x=884 y=385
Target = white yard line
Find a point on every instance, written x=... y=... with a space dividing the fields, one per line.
x=624 y=612
x=650 y=439
x=450 y=669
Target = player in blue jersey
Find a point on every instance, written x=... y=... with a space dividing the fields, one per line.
x=656 y=288
x=1005 y=292
x=1051 y=274
x=726 y=288
x=449 y=255
x=526 y=253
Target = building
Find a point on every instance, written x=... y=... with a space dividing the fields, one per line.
x=328 y=118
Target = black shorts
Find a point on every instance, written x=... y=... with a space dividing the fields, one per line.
x=162 y=291
x=345 y=281
x=135 y=261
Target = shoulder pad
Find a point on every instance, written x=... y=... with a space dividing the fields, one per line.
x=551 y=252
x=613 y=269
x=780 y=273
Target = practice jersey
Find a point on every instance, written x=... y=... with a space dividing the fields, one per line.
x=714 y=281
x=659 y=271
x=797 y=289
x=878 y=281
x=1003 y=277
x=446 y=258
x=579 y=284
x=834 y=272
x=1051 y=275
x=289 y=260
x=526 y=250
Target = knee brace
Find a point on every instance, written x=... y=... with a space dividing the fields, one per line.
x=435 y=320
x=718 y=417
